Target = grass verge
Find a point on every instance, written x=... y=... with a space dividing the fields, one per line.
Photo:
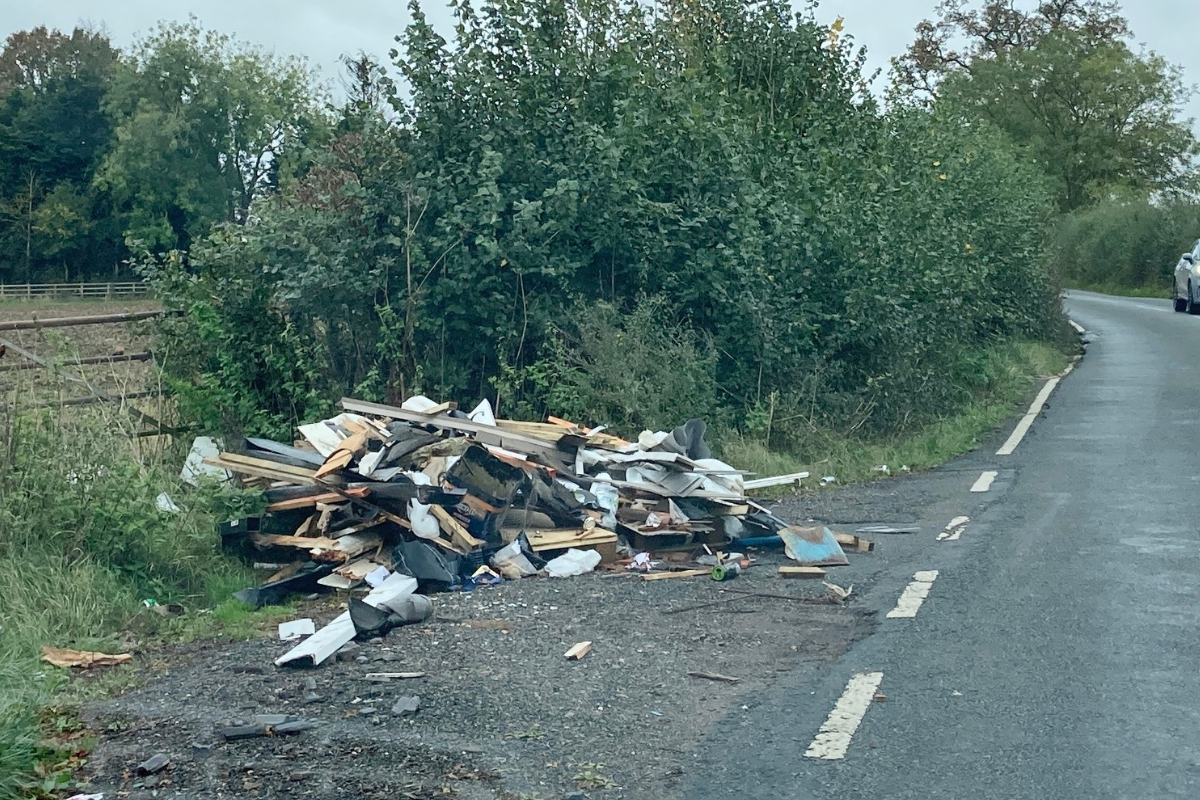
x=83 y=543
x=1012 y=370
x=1160 y=292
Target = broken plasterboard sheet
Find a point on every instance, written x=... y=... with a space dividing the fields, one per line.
x=325 y=642
x=289 y=631
x=194 y=467
x=323 y=435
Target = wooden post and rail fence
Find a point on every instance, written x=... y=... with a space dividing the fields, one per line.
x=90 y=291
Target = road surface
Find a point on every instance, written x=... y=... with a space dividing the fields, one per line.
x=1057 y=654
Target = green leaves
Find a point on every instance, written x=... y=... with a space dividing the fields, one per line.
x=1065 y=86
x=203 y=126
x=556 y=163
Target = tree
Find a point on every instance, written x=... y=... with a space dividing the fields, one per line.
x=204 y=126
x=1062 y=82
x=817 y=258
x=52 y=136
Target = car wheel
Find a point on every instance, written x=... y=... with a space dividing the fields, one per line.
x=1192 y=307
x=1180 y=303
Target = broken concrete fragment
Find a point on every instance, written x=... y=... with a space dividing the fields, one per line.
x=407 y=704
x=236 y=732
x=273 y=719
x=153 y=764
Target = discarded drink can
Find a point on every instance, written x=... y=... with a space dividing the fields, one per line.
x=726 y=572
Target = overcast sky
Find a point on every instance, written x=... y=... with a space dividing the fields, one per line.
x=322 y=30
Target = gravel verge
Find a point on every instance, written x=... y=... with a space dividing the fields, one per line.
x=502 y=713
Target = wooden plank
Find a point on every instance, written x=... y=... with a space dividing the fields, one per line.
x=687 y=573
x=336 y=462
x=358 y=569
x=312 y=500
x=440 y=408
x=67 y=322
x=343 y=454
x=801 y=572
x=286 y=572
x=578 y=651
x=258 y=472
x=540 y=430
x=855 y=543
x=264 y=464
x=487 y=434
x=559 y=538
x=283 y=540
x=459 y=535
x=347 y=547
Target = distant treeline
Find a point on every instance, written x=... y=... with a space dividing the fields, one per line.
x=1124 y=244
x=99 y=148
x=627 y=214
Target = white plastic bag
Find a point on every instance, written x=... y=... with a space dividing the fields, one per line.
x=424 y=524
x=606 y=497
x=573 y=562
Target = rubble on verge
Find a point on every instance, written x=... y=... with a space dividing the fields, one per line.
x=425 y=498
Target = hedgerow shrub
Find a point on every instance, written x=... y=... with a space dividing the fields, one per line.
x=719 y=155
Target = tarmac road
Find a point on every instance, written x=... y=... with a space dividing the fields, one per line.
x=1056 y=656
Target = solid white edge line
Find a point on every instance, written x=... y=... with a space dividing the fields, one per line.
x=833 y=740
x=1026 y=421
x=913 y=595
x=984 y=481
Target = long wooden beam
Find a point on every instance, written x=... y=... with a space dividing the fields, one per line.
x=68 y=322
x=81 y=361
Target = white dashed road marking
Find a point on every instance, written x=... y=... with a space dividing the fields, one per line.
x=913 y=595
x=985 y=481
x=833 y=739
x=954 y=529
x=1078 y=328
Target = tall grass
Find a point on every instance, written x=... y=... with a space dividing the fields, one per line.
x=82 y=544
x=1004 y=375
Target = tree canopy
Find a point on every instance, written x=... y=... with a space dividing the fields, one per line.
x=707 y=170
x=204 y=125
x=1064 y=84
x=52 y=137
x=185 y=131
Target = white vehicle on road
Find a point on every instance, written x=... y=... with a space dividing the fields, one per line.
x=1186 y=288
